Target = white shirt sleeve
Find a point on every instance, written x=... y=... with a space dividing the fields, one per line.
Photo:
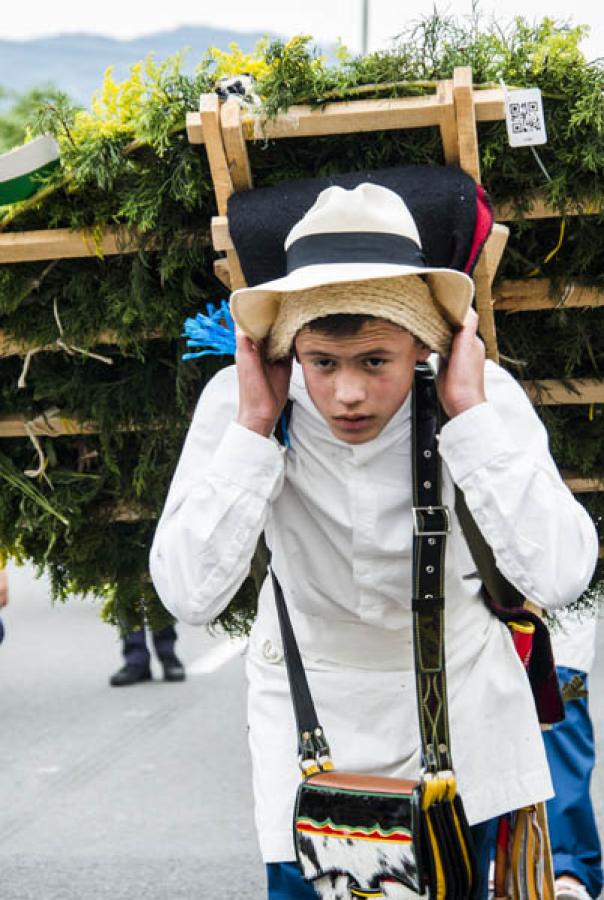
x=574 y=639
x=216 y=507
x=497 y=452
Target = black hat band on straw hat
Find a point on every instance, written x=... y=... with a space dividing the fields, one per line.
x=353 y=247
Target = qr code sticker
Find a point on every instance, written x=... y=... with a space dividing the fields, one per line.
x=524 y=117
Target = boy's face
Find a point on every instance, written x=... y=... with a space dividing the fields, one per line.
x=358 y=382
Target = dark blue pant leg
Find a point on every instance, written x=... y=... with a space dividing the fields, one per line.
x=571 y=756
x=1 y=631
x=484 y=836
x=164 y=641
x=135 y=649
x=286 y=883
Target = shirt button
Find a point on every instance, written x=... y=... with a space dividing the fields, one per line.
x=271 y=653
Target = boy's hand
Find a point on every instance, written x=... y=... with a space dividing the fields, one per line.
x=263 y=387
x=460 y=380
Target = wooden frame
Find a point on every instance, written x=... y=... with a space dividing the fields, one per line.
x=455 y=108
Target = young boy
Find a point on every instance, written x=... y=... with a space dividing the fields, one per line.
x=358 y=309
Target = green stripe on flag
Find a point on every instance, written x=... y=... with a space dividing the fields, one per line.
x=22 y=187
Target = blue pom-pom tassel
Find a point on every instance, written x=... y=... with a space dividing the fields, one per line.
x=213 y=333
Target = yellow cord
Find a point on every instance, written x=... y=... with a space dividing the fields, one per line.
x=552 y=253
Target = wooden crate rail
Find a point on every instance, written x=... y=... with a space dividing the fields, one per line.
x=568 y=392
x=349 y=116
x=52 y=424
x=581 y=484
x=532 y=294
x=61 y=243
x=11 y=347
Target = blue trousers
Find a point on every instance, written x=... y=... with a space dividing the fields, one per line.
x=571 y=756
x=135 y=646
x=286 y=883
x=1 y=631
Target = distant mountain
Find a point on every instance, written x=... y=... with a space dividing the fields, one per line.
x=75 y=63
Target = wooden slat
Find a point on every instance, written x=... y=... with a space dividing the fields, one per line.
x=484 y=275
x=463 y=94
x=52 y=425
x=236 y=276
x=61 y=243
x=339 y=117
x=346 y=117
x=489 y=104
x=540 y=209
x=11 y=347
x=220 y=169
x=194 y=128
x=484 y=308
x=551 y=392
x=209 y=108
x=469 y=160
x=534 y=294
x=580 y=484
x=221 y=237
x=448 y=122
x=222 y=272
x=124 y=512
x=235 y=146
x=494 y=248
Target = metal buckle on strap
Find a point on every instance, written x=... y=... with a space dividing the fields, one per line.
x=438 y=528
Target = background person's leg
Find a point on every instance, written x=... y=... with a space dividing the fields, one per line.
x=483 y=836
x=571 y=755
x=286 y=883
x=163 y=641
x=137 y=660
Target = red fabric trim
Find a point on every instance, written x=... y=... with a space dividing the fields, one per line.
x=484 y=224
x=395 y=837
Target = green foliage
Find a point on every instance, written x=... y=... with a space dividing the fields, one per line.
x=15 y=122
x=128 y=162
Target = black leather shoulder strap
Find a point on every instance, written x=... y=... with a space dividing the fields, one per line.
x=498 y=588
x=431 y=525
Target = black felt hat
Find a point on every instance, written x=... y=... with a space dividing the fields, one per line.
x=359 y=234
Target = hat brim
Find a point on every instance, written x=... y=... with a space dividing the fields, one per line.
x=254 y=309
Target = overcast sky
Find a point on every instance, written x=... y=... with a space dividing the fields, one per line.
x=322 y=18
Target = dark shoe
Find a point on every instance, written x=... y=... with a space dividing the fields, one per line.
x=130 y=674
x=173 y=669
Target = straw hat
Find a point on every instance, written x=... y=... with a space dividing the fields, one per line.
x=355 y=251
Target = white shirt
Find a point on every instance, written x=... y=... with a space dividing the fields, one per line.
x=338 y=520
x=574 y=639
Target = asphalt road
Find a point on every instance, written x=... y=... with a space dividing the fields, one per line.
x=139 y=793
